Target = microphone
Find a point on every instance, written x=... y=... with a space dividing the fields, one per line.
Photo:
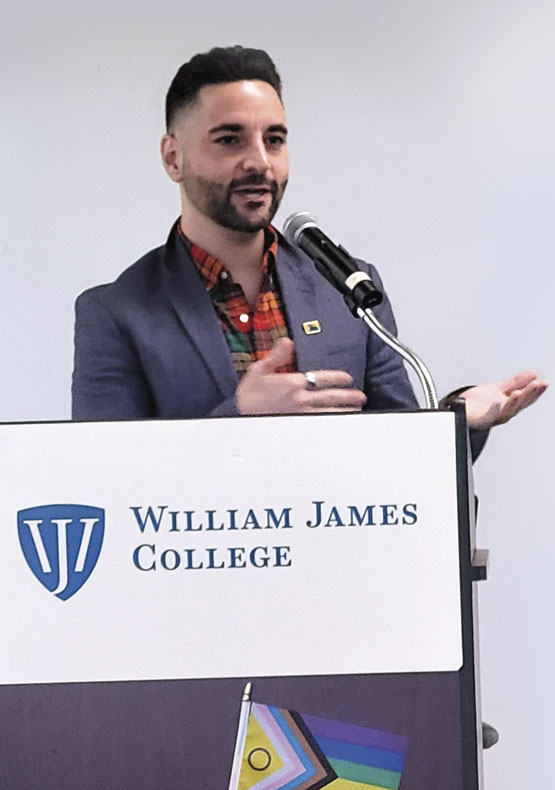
x=332 y=261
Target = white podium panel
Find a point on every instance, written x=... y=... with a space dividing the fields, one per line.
x=229 y=548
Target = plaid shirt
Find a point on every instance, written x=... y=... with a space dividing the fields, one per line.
x=250 y=335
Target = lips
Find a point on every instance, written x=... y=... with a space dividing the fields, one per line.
x=254 y=187
x=253 y=191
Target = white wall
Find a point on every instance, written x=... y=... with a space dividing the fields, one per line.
x=422 y=137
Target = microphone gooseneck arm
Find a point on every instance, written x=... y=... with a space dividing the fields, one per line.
x=359 y=292
x=424 y=375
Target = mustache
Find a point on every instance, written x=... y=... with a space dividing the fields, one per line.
x=254 y=180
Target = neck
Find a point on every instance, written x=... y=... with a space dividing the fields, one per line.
x=238 y=251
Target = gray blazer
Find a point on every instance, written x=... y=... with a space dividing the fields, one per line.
x=150 y=345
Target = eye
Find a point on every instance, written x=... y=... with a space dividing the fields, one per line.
x=275 y=140
x=227 y=139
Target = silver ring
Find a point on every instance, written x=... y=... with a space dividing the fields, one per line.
x=310 y=380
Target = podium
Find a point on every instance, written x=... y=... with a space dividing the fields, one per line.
x=152 y=568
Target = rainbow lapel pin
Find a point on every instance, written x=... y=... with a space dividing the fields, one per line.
x=312 y=327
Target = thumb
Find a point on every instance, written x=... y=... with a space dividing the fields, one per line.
x=281 y=354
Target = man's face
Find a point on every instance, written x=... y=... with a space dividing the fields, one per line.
x=231 y=154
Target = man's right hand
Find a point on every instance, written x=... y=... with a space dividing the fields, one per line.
x=264 y=391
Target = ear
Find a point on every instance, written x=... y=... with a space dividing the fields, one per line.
x=171 y=157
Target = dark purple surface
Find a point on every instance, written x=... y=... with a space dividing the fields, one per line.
x=181 y=734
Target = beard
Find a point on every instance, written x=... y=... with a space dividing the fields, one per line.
x=215 y=201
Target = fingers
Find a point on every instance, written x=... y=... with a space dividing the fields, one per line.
x=331 y=399
x=521 y=398
x=518 y=382
x=281 y=354
x=328 y=390
x=263 y=390
x=324 y=379
x=335 y=409
x=532 y=392
x=336 y=395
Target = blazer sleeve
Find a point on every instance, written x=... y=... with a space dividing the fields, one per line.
x=108 y=381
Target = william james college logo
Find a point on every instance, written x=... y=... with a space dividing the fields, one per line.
x=61 y=544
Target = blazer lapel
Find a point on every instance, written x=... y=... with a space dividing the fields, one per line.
x=296 y=274
x=193 y=306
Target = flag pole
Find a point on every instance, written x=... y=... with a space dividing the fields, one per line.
x=241 y=734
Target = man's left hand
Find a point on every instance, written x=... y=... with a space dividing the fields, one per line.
x=498 y=401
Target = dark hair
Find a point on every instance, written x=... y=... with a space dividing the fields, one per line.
x=221 y=64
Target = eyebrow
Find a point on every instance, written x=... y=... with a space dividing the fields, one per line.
x=237 y=127
x=278 y=127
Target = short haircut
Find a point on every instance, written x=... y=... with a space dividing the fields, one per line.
x=221 y=64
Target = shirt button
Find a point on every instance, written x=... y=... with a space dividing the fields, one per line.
x=244 y=318
x=224 y=275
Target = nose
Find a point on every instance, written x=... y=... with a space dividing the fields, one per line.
x=256 y=156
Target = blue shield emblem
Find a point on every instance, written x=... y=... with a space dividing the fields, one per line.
x=61 y=544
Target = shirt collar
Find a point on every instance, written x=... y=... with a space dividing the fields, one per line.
x=211 y=268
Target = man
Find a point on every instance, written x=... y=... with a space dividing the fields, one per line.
x=227 y=318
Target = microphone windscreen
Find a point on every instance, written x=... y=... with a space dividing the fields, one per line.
x=296 y=223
